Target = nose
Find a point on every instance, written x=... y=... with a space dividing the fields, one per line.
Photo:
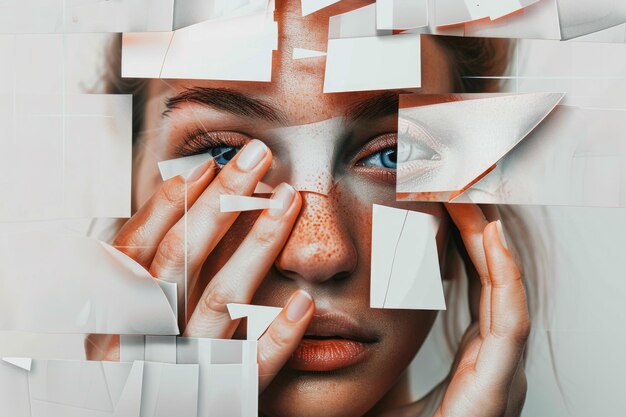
x=320 y=247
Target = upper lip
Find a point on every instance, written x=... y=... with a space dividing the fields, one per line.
x=338 y=325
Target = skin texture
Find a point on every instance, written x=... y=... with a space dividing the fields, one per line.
x=315 y=257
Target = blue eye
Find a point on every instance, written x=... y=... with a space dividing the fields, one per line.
x=223 y=154
x=386 y=158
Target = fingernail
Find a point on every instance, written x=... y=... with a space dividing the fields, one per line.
x=501 y=234
x=251 y=155
x=285 y=194
x=196 y=172
x=298 y=305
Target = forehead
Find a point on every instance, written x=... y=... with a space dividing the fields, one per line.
x=297 y=85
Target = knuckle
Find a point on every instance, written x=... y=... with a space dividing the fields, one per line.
x=171 y=251
x=171 y=194
x=229 y=184
x=279 y=336
x=265 y=237
x=215 y=300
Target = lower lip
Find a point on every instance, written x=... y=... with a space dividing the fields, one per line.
x=323 y=355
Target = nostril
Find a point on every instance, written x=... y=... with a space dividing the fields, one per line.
x=341 y=276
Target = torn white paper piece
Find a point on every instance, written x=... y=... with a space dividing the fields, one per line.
x=24 y=363
x=85 y=389
x=300 y=53
x=160 y=349
x=578 y=18
x=453 y=12
x=577 y=157
x=14 y=397
x=170 y=390
x=228 y=380
x=373 y=63
x=89 y=287
x=401 y=14
x=231 y=203
x=191 y=12
x=180 y=166
x=357 y=23
x=311 y=6
x=441 y=157
x=259 y=317
x=537 y=21
x=244 y=45
x=405 y=270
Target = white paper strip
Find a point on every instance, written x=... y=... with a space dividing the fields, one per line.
x=259 y=317
x=89 y=287
x=231 y=203
x=244 y=45
x=401 y=14
x=405 y=265
x=311 y=6
x=299 y=53
x=373 y=63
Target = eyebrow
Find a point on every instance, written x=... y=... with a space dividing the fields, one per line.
x=381 y=105
x=226 y=100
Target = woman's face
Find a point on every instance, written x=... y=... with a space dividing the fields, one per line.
x=339 y=150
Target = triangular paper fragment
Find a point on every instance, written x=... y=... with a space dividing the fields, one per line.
x=444 y=148
x=405 y=270
x=299 y=53
x=259 y=317
x=24 y=363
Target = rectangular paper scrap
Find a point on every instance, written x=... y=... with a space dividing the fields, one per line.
x=405 y=270
x=401 y=14
x=231 y=203
x=373 y=63
x=243 y=43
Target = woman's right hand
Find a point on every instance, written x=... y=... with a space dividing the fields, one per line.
x=155 y=238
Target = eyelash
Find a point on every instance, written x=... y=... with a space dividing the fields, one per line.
x=199 y=141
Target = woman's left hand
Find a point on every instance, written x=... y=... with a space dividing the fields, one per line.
x=487 y=378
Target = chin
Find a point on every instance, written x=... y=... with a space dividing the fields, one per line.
x=339 y=393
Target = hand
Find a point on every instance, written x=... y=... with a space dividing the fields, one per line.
x=155 y=238
x=487 y=378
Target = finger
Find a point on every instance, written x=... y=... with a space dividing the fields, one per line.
x=502 y=349
x=186 y=245
x=142 y=233
x=238 y=280
x=283 y=336
x=470 y=221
